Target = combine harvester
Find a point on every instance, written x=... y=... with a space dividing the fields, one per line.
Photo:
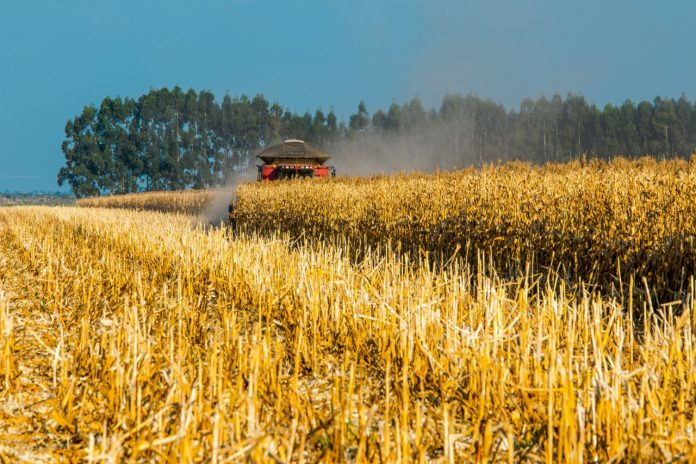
x=290 y=159
x=293 y=158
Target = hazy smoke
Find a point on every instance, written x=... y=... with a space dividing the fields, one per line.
x=429 y=147
x=217 y=213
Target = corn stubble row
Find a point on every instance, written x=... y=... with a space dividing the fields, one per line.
x=191 y=202
x=173 y=343
x=600 y=222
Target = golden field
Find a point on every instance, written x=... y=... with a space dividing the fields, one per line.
x=611 y=225
x=144 y=336
x=593 y=222
x=186 y=201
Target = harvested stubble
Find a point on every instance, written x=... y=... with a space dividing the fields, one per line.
x=184 y=201
x=593 y=221
x=170 y=342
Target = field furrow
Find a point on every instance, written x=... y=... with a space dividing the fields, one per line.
x=31 y=351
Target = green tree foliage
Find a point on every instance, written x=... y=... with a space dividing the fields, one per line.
x=84 y=170
x=174 y=139
x=360 y=120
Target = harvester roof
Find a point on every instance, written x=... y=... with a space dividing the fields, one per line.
x=293 y=151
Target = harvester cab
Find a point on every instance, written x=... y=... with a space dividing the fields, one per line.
x=293 y=158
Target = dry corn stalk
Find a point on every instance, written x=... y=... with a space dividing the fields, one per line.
x=599 y=222
x=176 y=343
x=192 y=202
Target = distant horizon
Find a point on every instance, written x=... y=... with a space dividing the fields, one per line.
x=37 y=192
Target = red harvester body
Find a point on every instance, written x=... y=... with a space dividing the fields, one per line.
x=293 y=158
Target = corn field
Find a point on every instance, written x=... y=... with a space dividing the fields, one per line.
x=191 y=202
x=601 y=223
x=148 y=337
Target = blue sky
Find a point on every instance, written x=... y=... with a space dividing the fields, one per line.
x=58 y=56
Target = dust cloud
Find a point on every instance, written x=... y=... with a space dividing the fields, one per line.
x=435 y=146
x=217 y=213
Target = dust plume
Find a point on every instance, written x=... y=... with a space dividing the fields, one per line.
x=438 y=145
x=217 y=213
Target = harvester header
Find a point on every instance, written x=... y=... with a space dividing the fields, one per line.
x=293 y=158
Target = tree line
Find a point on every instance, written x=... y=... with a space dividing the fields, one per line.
x=172 y=139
